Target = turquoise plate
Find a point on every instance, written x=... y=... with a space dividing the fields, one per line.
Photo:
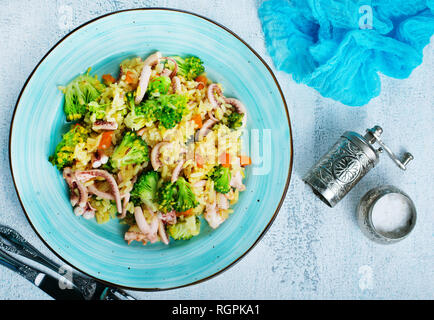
x=39 y=121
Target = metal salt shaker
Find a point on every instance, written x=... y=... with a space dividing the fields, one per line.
x=348 y=161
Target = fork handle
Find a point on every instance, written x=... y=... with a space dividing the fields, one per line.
x=42 y=280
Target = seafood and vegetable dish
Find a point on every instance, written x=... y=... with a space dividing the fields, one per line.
x=157 y=147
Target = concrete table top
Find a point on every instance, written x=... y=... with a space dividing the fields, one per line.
x=311 y=251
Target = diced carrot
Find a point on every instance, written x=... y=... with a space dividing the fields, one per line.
x=202 y=78
x=199 y=161
x=200 y=86
x=129 y=77
x=225 y=159
x=106 y=140
x=185 y=213
x=198 y=120
x=108 y=78
x=245 y=161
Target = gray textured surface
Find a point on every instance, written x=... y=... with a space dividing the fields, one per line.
x=311 y=251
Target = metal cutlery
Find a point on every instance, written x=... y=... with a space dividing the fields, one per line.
x=74 y=286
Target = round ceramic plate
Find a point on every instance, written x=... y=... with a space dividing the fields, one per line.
x=99 y=250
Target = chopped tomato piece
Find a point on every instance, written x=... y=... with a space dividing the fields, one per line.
x=245 y=161
x=225 y=159
x=198 y=120
x=200 y=86
x=106 y=140
x=108 y=79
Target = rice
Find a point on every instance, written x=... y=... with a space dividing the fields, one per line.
x=180 y=143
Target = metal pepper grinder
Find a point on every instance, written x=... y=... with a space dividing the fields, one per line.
x=348 y=161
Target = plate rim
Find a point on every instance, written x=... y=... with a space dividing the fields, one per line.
x=291 y=153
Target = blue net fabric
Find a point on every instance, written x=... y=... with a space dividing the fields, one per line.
x=338 y=47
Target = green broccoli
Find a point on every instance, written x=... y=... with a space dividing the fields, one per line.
x=140 y=114
x=131 y=150
x=168 y=109
x=185 y=198
x=190 y=67
x=222 y=178
x=96 y=110
x=64 y=154
x=234 y=120
x=166 y=196
x=78 y=93
x=172 y=108
x=145 y=190
x=176 y=196
x=185 y=229
x=159 y=85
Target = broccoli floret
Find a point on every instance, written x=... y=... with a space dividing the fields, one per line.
x=140 y=114
x=189 y=67
x=78 y=93
x=176 y=196
x=158 y=86
x=145 y=190
x=166 y=196
x=64 y=154
x=234 y=120
x=96 y=110
x=185 y=198
x=172 y=108
x=131 y=150
x=168 y=109
x=222 y=178
x=185 y=229
x=133 y=120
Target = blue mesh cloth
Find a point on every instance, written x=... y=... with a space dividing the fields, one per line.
x=338 y=47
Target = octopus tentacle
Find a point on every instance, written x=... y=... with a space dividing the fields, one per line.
x=239 y=107
x=176 y=84
x=168 y=218
x=222 y=201
x=145 y=75
x=101 y=194
x=124 y=205
x=210 y=94
x=206 y=128
x=89 y=174
x=177 y=170
x=104 y=125
x=153 y=59
x=162 y=232
x=175 y=69
x=82 y=194
x=212 y=216
x=155 y=155
x=166 y=72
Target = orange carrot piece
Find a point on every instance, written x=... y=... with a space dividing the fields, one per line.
x=199 y=161
x=106 y=140
x=185 y=213
x=225 y=159
x=129 y=77
x=198 y=120
x=108 y=79
x=202 y=78
x=245 y=161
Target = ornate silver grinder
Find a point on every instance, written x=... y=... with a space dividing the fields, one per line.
x=348 y=161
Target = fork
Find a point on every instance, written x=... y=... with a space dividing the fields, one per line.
x=81 y=287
